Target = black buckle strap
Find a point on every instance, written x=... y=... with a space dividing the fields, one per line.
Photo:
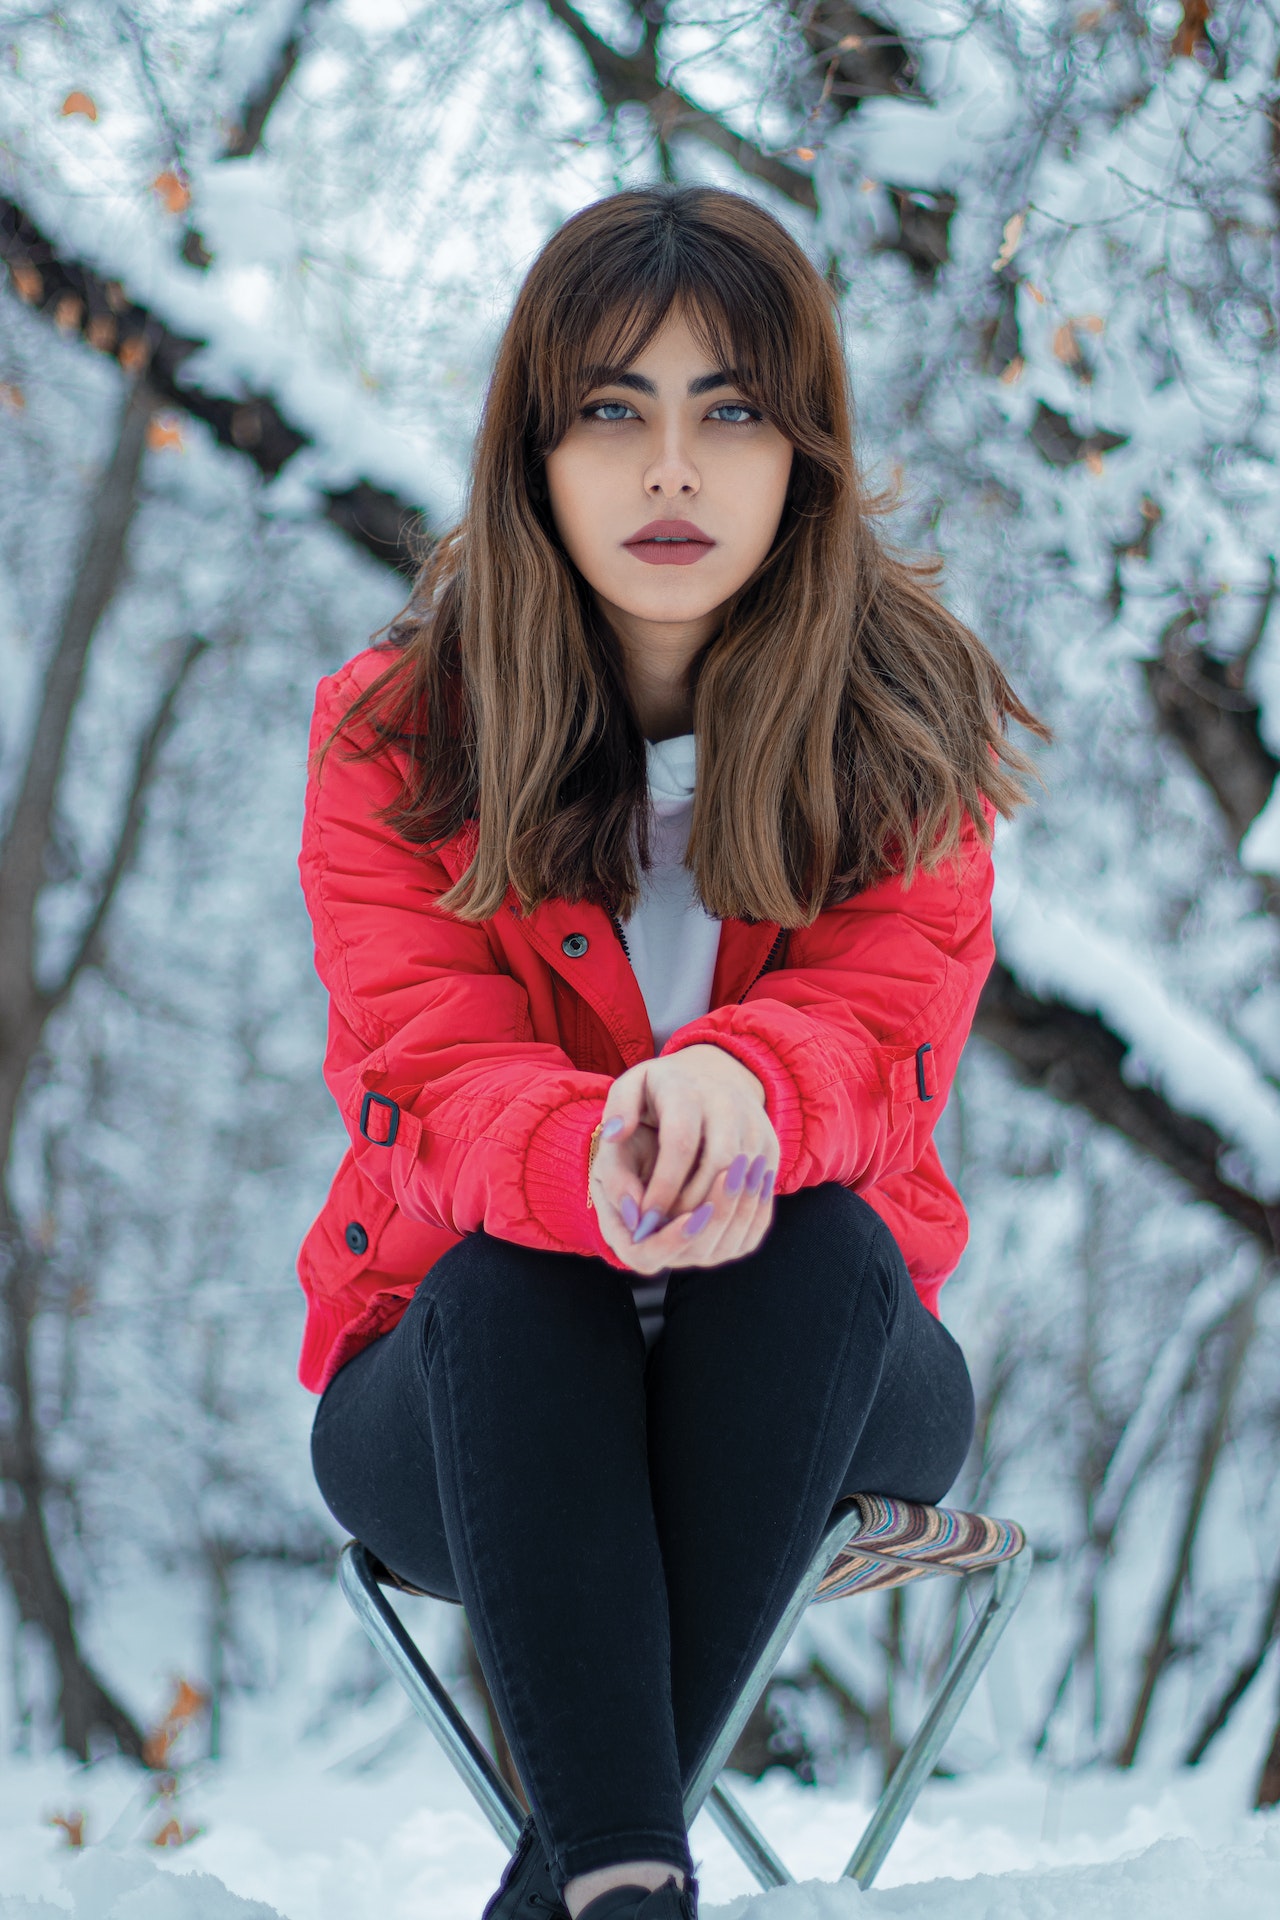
x=393 y=1124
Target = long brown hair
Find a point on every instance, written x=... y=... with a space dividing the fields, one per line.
x=846 y=722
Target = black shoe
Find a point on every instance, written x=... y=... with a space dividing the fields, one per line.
x=526 y=1890
x=668 y=1902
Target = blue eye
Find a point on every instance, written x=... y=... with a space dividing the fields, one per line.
x=611 y=410
x=741 y=414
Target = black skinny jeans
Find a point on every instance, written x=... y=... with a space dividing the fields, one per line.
x=624 y=1532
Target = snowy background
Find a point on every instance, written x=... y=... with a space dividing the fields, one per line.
x=257 y=257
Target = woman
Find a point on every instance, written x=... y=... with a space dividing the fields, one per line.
x=649 y=866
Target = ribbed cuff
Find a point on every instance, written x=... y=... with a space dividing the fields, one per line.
x=555 y=1179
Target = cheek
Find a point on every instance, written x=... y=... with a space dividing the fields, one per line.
x=575 y=499
x=766 y=495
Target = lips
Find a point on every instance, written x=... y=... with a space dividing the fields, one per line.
x=669 y=543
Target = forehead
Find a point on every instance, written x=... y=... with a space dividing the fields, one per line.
x=634 y=339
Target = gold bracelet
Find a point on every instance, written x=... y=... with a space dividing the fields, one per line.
x=592 y=1150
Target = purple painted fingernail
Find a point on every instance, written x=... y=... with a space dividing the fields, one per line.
x=630 y=1213
x=611 y=1128
x=734 y=1178
x=755 y=1173
x=698 y=1219
x=649 y=1223
x=766 y=1185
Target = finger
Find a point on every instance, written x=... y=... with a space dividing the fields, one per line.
x=756 y=1224
x=701 y=1184
x=679 y=1144
x=624 y=1107
x=617 y=1178
x=617 y=1200
x=740 y=1219
x=756 y=1227
x=690 y=1237
x=724 y=1140
x=653 y=1255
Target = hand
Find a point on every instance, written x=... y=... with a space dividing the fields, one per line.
x=683 y=1175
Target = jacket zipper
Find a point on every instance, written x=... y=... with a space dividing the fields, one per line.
x=769 y=959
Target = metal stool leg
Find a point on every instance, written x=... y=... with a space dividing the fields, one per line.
x=1008 y=1585
x=746 y=1839
x=428 y=1694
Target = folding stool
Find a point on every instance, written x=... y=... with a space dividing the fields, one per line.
x=870 y=1543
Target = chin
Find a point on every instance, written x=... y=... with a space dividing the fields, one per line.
x=670 y=606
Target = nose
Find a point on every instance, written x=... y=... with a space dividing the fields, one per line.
x=671 y=473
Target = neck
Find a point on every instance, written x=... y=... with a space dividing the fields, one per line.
x=657 y=656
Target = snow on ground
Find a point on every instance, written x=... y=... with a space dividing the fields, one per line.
x=383 y=1831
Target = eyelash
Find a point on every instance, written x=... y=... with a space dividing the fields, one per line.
x=737 y=406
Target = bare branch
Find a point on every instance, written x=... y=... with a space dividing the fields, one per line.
x=1243 y=1324
x=1211 y=1303
x=624 y=79
x=148 y=752
x=1241 y=1680
x=246 y=135
x=26 y=843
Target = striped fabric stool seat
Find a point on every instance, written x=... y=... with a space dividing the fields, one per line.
x=869 y=1544
x=898 y=1542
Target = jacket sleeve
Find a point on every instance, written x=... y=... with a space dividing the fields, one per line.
x=454 y=1110
x=856 y=1039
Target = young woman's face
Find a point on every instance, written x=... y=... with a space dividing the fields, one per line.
x=668 y=488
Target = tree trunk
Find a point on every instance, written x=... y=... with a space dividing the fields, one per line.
x=84 y=1706
x=1268 y=1794
x=1240 y=1682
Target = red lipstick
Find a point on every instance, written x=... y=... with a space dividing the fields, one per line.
x=669 y=543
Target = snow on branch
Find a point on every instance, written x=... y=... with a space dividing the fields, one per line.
x=1168 y=1045
x=1204 y=703
x=253 y=389
x=1077 y=1059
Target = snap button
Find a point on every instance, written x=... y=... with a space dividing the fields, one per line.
x=575 y=945
x=356 y=1237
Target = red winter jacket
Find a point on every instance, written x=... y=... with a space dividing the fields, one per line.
x=471 y=1062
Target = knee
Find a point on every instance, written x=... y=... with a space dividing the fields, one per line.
x=480 y=1283
x=834 y=1230
x=487 y=1293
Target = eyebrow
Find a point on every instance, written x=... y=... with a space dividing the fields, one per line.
x=637 y=383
